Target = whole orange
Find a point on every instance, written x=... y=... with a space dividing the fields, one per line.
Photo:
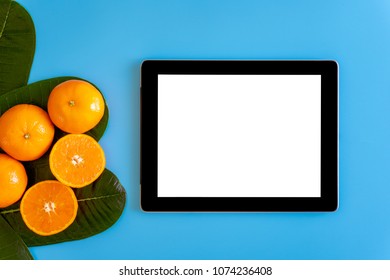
x=75 y=106
x=13 y=180
x=26 y=132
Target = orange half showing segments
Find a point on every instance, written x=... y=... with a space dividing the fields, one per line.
x=48 y=207
x=77 y=160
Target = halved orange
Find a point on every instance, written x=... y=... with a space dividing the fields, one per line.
x=77 y=160
x=48 y=207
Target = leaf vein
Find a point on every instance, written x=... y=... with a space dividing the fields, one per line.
x=98 y=197
x=9 y=211
x=5 y=20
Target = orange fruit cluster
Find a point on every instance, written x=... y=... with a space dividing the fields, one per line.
x=76 y=160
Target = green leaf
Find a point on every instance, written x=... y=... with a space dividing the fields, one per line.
x=38 y=94
x=17 y=45
x=100 y=206
x=12 y=246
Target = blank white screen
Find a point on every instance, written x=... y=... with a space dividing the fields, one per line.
x=239 y=135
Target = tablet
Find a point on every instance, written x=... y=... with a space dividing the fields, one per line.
x=239 y=135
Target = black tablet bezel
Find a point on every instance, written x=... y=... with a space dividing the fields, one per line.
x=328 y=201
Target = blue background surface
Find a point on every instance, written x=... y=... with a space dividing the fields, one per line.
x=105 y=43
